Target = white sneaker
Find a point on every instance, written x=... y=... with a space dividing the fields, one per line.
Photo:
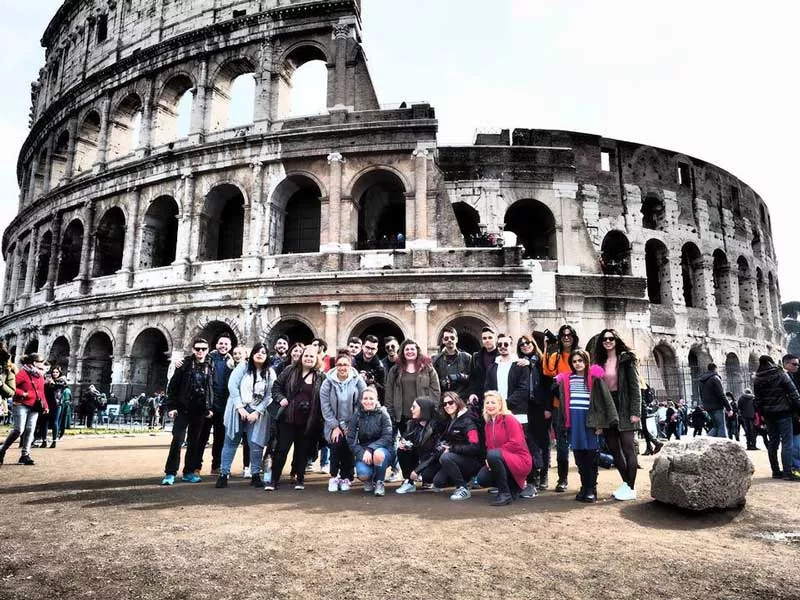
x=344 y=485
x=369 y=487
x=246 y=473
x=380 y=488
x=324 y=469
x=626 y=494
x=333 y=484
x=395 y=476
x=461 y=493
x=621 y=489
x=407 y=487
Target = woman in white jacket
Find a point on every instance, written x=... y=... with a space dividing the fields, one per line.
x=339 y=397
x=246 y=413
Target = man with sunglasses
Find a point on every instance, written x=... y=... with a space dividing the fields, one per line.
x=481 y=361
x=391 y=345
x=190 y=400
x=453 y=366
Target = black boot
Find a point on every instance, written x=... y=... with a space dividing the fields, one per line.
x=590 y=497
x=657 y=446
x=502 y=500
x=25 y=459
x=544 y=480
x=222 y=481
x=255 y=481
x=581 y=495
x=563 y=470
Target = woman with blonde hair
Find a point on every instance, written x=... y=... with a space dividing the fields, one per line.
x=508 y=460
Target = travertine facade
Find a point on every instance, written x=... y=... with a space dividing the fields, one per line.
x=134 y=235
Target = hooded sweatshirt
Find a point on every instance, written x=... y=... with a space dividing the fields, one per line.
x=339 y=399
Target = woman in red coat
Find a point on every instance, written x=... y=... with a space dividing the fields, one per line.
x=30 y=388
x=508 y=460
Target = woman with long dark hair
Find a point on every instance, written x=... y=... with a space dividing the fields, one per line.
x=621 y=374
x=54 y=385
x=416 y=451
x=250 y=388
x=411 y=377
x=459 y=446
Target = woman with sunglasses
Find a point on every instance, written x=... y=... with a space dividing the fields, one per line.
x=621 y=375
x=540 y=409
x=588 y=410
x=459 y=446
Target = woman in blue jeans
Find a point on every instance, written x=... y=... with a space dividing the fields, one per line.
x=369 y=436
x=246 y=413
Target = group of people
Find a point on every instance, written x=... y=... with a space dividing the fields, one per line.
x=455 y=420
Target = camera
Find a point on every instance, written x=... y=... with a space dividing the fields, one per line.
x=550 y=336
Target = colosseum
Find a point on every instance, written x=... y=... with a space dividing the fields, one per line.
x=147 y=217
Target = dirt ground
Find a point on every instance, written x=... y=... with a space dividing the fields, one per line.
x=90 y=521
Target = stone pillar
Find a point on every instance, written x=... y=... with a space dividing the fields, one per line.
x=183 y=245
x=420 y=235
x=87 y=251
x=121 y=361
x=341 y=33
x=102 y=139
x=146 y=130
x=180 y=333
x=565 y=194
x=74 y=351
x=331 y=308
x=132 y=235
x=69 y=167
x=514 y=309
x=12 y=288
x=31 y=266
x=55 y=250
x=32 y=179
x=48 y=165
x=421 y=307
x=334 y=223
x=705 y=284
x=198 y=125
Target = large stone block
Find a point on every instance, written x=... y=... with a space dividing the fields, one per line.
x=701 y=474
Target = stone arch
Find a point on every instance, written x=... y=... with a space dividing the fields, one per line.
x=653 y=212
x=297 y=328
x=659 y=286
x=745 y=285
x=667 y=364
x=59 y=353
x=735 y=379
x=43 y=260
x=71 y=245
x=125 y=126
x=222 y=223
x=295 y=58
x=763 y=298
x=380 y=196
x=149 y=361
x=109 y=242
x=31 y=346
x=468 y=325
x=40 y=181
x=22 y=268
x=374 y=316
x=720 y=277
x=692 y=275
x=468 y=222
x=300 y=198
x=535 y=226
x=380 y=326
x=97 y=359
x=615 y=253
x=213 y=328
x=170 y=118
x=225 y=91
x=58 y=162
x=159 y=233
x=86 y=142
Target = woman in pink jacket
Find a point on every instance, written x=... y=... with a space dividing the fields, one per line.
x=508 y=460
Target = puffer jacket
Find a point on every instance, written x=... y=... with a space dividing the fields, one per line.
x=775 y=395
x=746 y=406
x=369 y=430
x=339 y=400
x=712 y=392
x=461 y=435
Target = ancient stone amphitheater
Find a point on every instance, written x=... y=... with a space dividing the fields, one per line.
x=146 y=216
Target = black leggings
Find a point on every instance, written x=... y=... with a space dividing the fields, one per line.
x=623 y=448
x=587 y=461
x=288 y=436
x=497 y=474
x=341 y=459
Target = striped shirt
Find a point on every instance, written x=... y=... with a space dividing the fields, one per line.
x=578 y=393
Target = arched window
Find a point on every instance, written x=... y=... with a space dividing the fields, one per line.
x=303 y=83
x=59 y=162
x=296 y=331
x=43 y=260
x=233 y=96
x=110 y=243
x=721 y=275
x=213 y=330
x=71 y=244
x=653 y=212
x=381 y=328
x=668 y=368
x=615 y=254
x=86 y=142
x=149 y=362
x=125 y=127
x=535 y=227
x=735 y=379
x=97 y=360
x=173 y=110
x=692 y=275
x=159 y=234
x=32 y=346
x=656 y=258
x=745 y=284
x=380 y=197
x=469 y=223
x=222 y=223
x=59 y=353
x=40 y=181
x=301 y=229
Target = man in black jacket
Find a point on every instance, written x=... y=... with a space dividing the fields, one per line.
x=370 y=367
x=452 y=365
x=190 y=399
x=481 y=361
x=715 y=403
x=747 y=413
x=777 y=400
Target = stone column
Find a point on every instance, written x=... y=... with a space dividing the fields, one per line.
x=333 y=220
x=32 y=179
x=420 y=235
x=341 y=33
x=565 y=194
x=514 y=309
x=87 y=251
x=146 y=130
x=102 y=139
x=55 y=250
x=263 y=78
x=48 y=165
x=198 y=125
x=179 y=329
x=331 y=308
x=132 y=235
x=121 y=363
x=183 y=245
x=12 y=288
x=69 y=166
x=31 y=266
x=421 y=307
x=74 y=351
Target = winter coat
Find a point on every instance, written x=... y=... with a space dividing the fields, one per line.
x=240 y=389
x=461 y=435
x=629 y=394
x=53 y=390
x=8 y=380
x=30 y=387
x=369 y=430
x=477 y=377
x=711 y=392
x=179 y=389
x=775 y=395
x=602 y=412
x=424 y=433
x=287 y=386
x=223 y=367
x=338 y=400
x=518 y=389
x=427 y=384
x=454 y=376
x=698 y=417
x=374 y=369
x=505 y=433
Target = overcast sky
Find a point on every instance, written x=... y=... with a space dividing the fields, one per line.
x=713 y=80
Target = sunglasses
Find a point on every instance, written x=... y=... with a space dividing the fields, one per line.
x=563 y=335
x=525 y=343
x=448 y=338
x=448 y=403
x=609 y=339
x=204 y=349
x=503 y=345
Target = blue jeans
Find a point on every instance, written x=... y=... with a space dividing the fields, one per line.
x=24 y=424
x=376 y=471
x=718 y=420
x=231 y=444
x=796 y=453
x=780 y=432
